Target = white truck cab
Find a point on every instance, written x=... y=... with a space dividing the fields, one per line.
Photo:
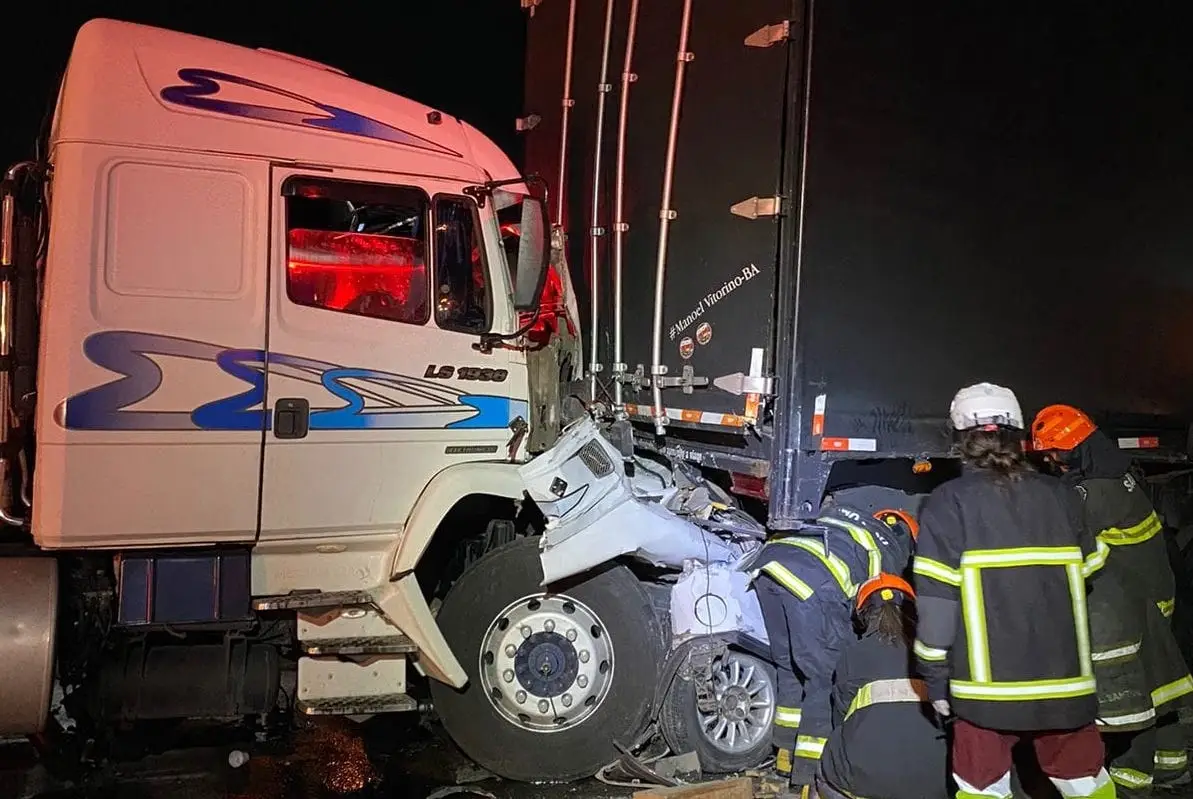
x=278 y=344
x=278 y=376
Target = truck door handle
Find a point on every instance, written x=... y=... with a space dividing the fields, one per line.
x=291 y=418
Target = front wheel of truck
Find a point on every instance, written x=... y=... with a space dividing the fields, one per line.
x=554 y=676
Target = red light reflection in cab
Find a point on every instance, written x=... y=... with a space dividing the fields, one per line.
x=360 y=273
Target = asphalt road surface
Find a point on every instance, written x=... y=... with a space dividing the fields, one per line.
x=380 y=760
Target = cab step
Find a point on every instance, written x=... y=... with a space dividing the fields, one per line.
x=357 y=705
x=360 y=645
x=312 y=599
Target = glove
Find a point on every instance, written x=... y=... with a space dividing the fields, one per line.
x=944 y=712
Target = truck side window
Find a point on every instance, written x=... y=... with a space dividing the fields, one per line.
x=357 y=248
x=461 y=282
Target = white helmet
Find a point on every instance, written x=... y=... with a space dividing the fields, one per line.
x=984 y=404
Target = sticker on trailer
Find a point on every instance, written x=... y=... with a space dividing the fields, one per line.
x=1143 y=442
x=686 y=348
x=703 y=333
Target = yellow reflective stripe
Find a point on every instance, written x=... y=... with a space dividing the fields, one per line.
x=783 y=576
x=1027 y=690
x=973 y=613
x=864 y=540
x=929 y=653
x=1171 y=759
x=788 y=716
x=836 y=567
x=934 y=569
x=1020 y=556
x=1166 y=606
x=1116 y=653
x=1080 y=617
x=1173 y=690
x=1127 y=719
x=1096 y=559
x=1135 y=534
x=881 y=692
x=809 y=746
x=1130 y=778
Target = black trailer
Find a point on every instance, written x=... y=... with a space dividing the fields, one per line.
x=872 y=205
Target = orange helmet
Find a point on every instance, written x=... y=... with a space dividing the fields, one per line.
x=1060 y=427
x=889 y=582
x=893 y=516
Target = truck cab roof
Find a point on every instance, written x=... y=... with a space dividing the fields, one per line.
x=144 y=86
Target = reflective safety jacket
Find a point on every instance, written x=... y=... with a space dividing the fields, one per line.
x=821 y=575
x=1000 y=571
x=1138 y=666
x=884 y=744
x=1119 y=512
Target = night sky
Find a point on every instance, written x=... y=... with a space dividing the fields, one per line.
x=464 y=57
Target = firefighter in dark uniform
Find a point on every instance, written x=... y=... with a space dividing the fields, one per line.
x=1134 y=655
x=885 y=743
x=1119 y=512
x=1002 y=636
x=806 y=584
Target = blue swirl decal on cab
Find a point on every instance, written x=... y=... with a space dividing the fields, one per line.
x=202 y=86
x=357 y=399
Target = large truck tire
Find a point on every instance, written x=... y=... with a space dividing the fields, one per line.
x=554 y=677
x=29 y=609
x=737 y=735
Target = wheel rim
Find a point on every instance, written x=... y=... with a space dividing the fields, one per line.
x=745 y=696
x=546 y=663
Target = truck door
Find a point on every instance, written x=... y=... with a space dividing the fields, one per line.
x=380 y=288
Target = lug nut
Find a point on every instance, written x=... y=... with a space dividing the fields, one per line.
x=508 y=675
x=584 y=655
x=510 y=650
x=525 y=631
x=582 y=681
x=520 y=696
x=567 y=700
x=549 y=625
x=544 y=706
x=571 y=635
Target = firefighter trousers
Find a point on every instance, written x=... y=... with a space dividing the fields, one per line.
x=1071 y=759
x=1154 y=756
x=789 y=690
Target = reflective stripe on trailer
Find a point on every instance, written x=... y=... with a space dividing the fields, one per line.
x=1141 y=442
x=693 y=417
x=849 y=444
